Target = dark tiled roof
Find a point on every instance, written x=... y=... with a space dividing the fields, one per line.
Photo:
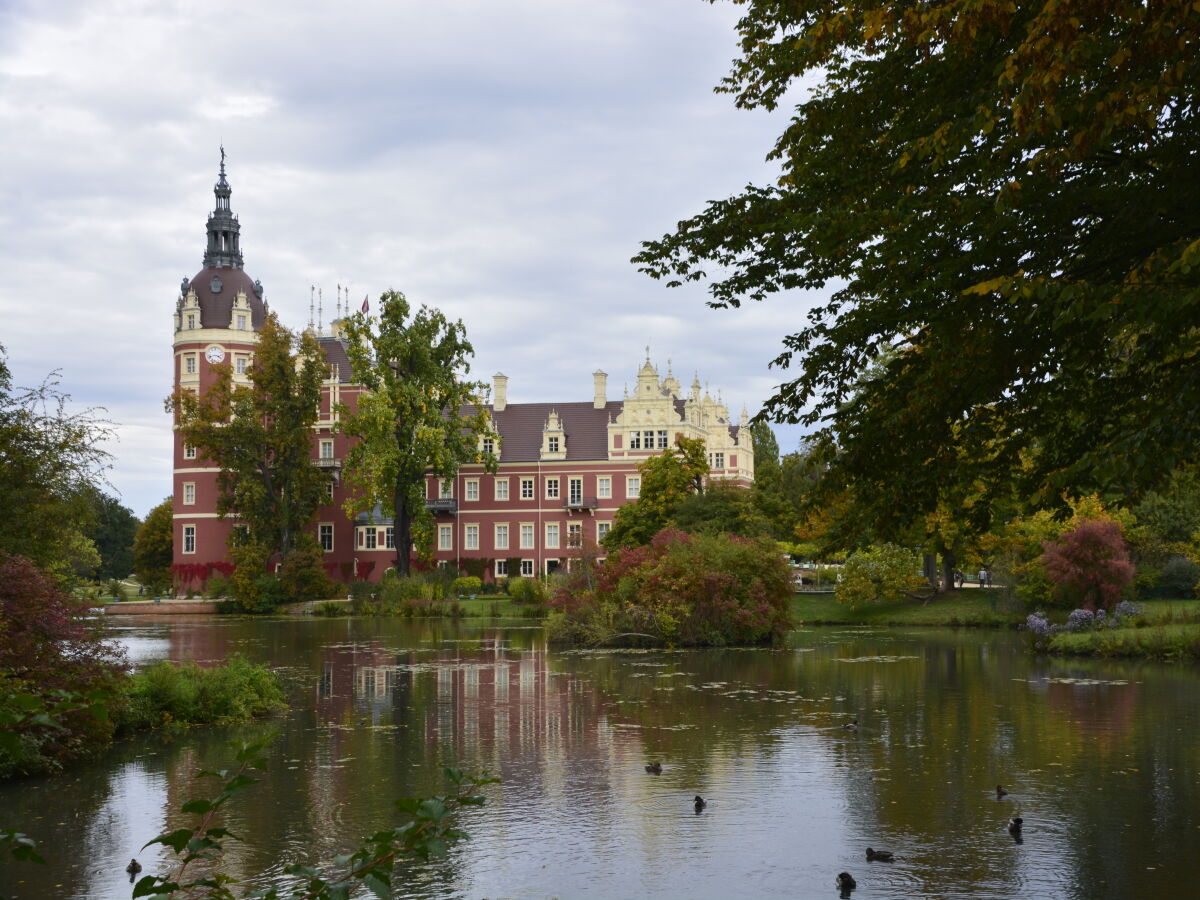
x=335 y=355
x=586 y=428
x=216 y=309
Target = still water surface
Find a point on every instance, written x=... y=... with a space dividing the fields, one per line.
x=1101 y=759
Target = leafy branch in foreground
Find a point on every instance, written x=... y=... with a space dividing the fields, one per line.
x=426 y=834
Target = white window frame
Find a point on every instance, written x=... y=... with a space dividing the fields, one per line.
x=604 y=487
x=189 y=539
x=633 y=486
x=527 y=569
x=241 y=322
x=445 y=537
x=575 y=490
x=241 y=364
x=446 y=489
x=527 y=536
x=471 y=536
x=367 y=538
x=552 y=535
x=552 y=488
x=471 y=486
x=602 y=530
x=496 y=540
x=528 y=489
x=488 y=445
x=325 y=449
x=500 y=489
x=552 y=444
x=191 y=321
x=389 y=537
x=718 y=460
x=323 y=529
x=189 y=364
x=189 y=493
x=662 y=439
x=574 y=534
x=635 y=440
x=189 y=452
x=501 y=568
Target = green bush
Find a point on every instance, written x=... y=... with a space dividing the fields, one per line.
x=115 y=589
x=302 y=572
x=1177 y=579
x=880 y=573
x=526 y=590
x=176 y=695
x=331 y=608
x=467 y=584
x=218 y=586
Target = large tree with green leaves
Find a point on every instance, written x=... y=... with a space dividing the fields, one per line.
x=50 y=460
x=1001 y=198
x=261 y=436
x=418 y=416
x=113 y=530
x=667 y=479
x=154 y=548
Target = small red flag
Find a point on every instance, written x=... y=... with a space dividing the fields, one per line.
x=366 y=305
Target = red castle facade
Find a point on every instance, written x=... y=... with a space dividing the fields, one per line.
x=564 y=467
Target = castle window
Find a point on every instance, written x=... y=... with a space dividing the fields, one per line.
x=552 y=444
x=489 y=445
x=574 y=491
x=552 y=535
x=604 y=487
x=574 y=534
x=526 y=488
x=326 y=449
x=472 y=537
x=501 y=538
x=241 y=322
x=389 y=537
x=240 y=365
x=472 y=485
x=189 y=364
x=189 y=452
x=445 y=537
x=718 y=460
x=447 y=489
x=635 y=440
x=633 y=486
x=662 y=440
x=527 y=536
x=501 y=568
x=325 y=535
x=527 y=568
x=602 y=529
x=551 y=488
x=648 y=439
x=189 y=538
x=189 y=493
x=191 y=320
x=501 y=488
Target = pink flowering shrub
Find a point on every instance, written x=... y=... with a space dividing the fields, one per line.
x=680 y=589
x=1090 y=565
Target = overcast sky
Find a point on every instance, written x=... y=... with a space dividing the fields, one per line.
x=500 y=161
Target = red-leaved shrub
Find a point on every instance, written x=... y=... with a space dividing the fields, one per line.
x=681 y=589
x=51 y=652
x=1089 y=565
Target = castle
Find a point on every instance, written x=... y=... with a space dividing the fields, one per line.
x=564 y=467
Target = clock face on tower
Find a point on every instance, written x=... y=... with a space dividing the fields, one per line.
x=215 y=354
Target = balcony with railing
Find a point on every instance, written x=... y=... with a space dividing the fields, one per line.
x=577 y=502
x=447 y=505
x=328 y=462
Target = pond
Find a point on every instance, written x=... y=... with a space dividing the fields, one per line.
x=1100 y=759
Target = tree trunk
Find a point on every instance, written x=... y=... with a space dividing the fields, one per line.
x=949 y=565
x=402 y=531
x=930 y=566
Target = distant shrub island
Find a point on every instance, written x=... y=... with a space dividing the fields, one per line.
x=681 y=589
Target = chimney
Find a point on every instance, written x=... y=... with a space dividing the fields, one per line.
x=499 y=392
x=601 y=399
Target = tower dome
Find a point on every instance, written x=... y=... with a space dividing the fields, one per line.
x=218 y=284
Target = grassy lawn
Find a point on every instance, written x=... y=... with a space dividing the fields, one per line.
x=972 y=606
x=959 y=607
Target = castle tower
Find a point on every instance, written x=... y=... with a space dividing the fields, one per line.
x=217 y=315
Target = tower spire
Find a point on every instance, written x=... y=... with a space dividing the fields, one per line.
x=223 y=250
